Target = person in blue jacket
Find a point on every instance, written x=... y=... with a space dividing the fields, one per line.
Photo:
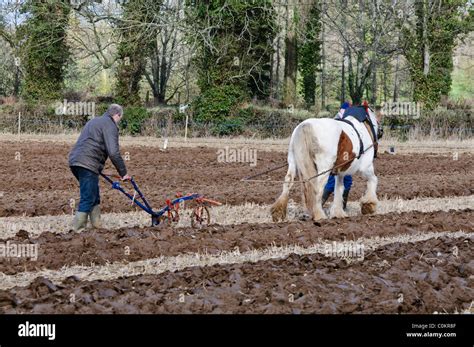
x=329 y=188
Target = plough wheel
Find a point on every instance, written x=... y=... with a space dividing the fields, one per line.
x=173 y=218
x=200 y=217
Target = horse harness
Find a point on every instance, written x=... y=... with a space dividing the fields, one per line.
x=361 y=114
x=368 y=124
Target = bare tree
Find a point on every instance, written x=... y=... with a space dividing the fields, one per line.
x=92 y=34
x=291 y=63
x=10 y=19
x=169 y=54
x=367 y=31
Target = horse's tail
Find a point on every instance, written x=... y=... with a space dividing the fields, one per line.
x=304 y=148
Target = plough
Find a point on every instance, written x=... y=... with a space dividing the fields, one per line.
x=170 y=213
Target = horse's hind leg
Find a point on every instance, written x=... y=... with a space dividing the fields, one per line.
x=312 y=194
x=368 y=202
x=279 y=208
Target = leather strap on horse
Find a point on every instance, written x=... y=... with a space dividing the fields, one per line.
x=372 y=130
x=374 y=139
x=361 y=144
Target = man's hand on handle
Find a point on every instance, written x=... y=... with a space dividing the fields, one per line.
x=126 y=178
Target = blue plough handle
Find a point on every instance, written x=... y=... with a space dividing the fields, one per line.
x=144 y=205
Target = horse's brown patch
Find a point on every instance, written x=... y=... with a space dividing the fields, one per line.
x=345 y=154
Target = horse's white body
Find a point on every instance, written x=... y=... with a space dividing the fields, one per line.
x=313 y=149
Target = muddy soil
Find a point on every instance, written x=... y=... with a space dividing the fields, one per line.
x=419 y=277
x=104 y=246
x=422 y=277
x=36 y=179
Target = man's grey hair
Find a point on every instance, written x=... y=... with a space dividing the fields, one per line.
x=114 y=109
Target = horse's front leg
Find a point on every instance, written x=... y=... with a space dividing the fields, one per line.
x=368 y=203
x=337 y=210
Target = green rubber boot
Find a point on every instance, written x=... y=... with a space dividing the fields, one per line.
x=80 y=221
x=95 y=217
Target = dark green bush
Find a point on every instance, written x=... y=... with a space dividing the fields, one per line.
x=133 y=119
x=100 y=108
x=217 y=103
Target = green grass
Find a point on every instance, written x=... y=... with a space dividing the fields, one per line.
x=462 y=86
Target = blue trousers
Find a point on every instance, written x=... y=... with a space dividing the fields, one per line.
x=332 y=183
x=89 y=188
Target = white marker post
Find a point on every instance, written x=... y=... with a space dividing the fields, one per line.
x=182 y=109
x=186 y=129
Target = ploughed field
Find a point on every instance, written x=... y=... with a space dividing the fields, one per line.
x=401 y=260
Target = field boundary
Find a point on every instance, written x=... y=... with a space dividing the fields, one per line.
x=280 y=145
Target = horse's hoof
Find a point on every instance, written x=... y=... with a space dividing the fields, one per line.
x=276 y=215
x=339 y=214
x=368 y=207
x=278 y=212
x=304 y=217
x=319 y=217
x=276 y=219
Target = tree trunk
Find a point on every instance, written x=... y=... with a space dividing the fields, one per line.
x=373 y=87
x=344 y=57
x=276 y=70
x=343 y=78
x=16 y=85
x=323 y=60
x=385 y=84
x=357 y=96
x=272 y=76
x=291 y=64
x=162 y=81
x=426 y=47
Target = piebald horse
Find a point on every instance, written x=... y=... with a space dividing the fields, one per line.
x=323 y=144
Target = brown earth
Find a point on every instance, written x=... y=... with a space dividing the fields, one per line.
x=106 y=246
x=421 y=277
x=40 y=183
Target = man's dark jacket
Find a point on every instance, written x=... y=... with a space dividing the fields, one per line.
x=98 y=140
